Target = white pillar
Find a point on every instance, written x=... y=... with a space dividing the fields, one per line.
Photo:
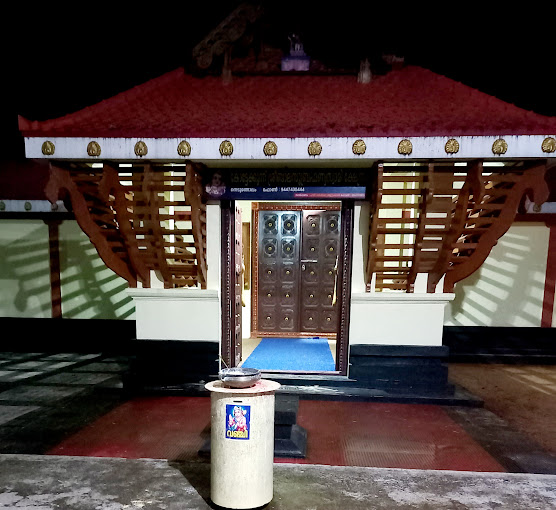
x=214 y=248
x=360 y=246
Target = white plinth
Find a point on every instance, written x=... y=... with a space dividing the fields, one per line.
x=397 y=319
x=177 y=314
x=242 y=457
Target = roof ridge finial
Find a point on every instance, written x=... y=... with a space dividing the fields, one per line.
x=365 y=75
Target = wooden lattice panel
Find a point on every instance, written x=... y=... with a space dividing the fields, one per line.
x=442 y=221
x=141 y=219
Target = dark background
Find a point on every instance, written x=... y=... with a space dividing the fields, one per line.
x=58 y=60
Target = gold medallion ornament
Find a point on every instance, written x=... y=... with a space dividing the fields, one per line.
x=48 y=148
x=226 y=148
x=184 y=148
x=93 y=149
x=405 y=147
x=452 y=146
x=549 y=145
x=141 y=149
x=500 y=146
x=359 y=147
x=315 y=148
x=270 y=148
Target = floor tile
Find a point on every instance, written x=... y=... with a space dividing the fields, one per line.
x=102 y=367
x=30 y=365
x=9 y=413
x=60 y=364
x=81 y=378
x=17 y=355
x=17 y=375
x=27 y=393
x=70 y=356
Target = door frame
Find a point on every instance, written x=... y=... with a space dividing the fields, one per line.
x=229 y=347
x=344 y=269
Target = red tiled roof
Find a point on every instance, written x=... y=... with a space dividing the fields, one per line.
x=408 y=102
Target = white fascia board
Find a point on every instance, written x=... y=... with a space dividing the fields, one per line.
x=208 y=149
x=31 y=206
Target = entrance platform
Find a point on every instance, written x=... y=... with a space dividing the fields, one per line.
x=66 y=421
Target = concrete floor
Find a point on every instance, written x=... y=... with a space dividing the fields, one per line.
x=47 y=398
x=45 y=482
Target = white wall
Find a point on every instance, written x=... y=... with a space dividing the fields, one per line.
x=392 y=318
x=508 y=289
x=177 y=314
x=24 y=269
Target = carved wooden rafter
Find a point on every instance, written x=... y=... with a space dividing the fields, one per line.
x=472 y=189
x=490 y=217
x=194 y=197
x=152 y=230
x=133 y=223
x=85 y=207
x=373 y=225
x=388 y=259
x=454 y=228
x=419 y=254
x=113 y=191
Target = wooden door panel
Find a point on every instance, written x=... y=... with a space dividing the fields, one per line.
x=278 y=271
x=297 y=270
x=320 y=244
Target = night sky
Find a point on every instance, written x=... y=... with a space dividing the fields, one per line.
x=57 y=60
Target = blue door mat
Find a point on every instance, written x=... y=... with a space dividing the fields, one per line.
x=295 y=354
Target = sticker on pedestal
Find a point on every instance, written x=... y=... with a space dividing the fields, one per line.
x=237 y=421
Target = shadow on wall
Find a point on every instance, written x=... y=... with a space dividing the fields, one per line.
x=89 y=289
x=508 y=289
x=24 y=270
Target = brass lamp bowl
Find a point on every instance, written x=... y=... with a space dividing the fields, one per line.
x=238 y=377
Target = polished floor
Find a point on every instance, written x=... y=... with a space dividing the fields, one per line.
x=71 y=404
x=339 y=434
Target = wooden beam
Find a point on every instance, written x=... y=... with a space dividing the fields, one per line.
x=54 y=257
x=110 y=185
x=472 y=187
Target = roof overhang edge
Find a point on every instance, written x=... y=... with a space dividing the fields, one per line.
x=501 y=146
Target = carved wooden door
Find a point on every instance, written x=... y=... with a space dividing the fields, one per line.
x=320 y=244
x=278 y=271
x=297 y=271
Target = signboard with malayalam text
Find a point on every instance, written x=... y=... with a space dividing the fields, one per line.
x=286 y=184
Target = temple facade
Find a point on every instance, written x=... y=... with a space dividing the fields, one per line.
x=209 y=213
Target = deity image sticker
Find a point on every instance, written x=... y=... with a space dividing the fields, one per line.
x=238 y=419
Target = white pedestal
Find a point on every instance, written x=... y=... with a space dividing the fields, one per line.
x=177 y=314
x=397 y=319
x=242 y=456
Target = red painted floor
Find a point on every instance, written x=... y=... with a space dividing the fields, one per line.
x=339 y=433
x=389 y=436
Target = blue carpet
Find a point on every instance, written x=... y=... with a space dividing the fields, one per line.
x=291 y=354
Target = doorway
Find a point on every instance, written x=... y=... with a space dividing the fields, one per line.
x=297 y=283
